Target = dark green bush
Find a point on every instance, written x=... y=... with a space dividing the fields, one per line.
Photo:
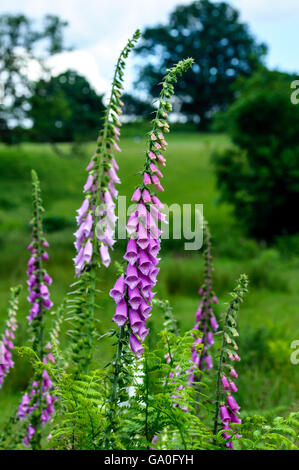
x=259 y=174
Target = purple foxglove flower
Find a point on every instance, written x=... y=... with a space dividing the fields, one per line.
x=112 y=189
x=232 y=403
x=145 y=264
x=117 y=293
x=142 y=212
x=136 y=195
x=144 y=309
x=214 y=323
x=134 y=298
x=146 y=197
x=89 y=183
x=136 y=321
x=105 y=255
x=132 y=223
x=47 y=383
x=234 y=418
x=209 y=361
x=225 y=383
x=121 y=313
x=142 y=237
x=157 y=202
x=215 y=299
x=44 y=291
x=142 y=333
x=224 y=414
x=146 y=179
x=90 y=165
x=132 y=252
x=151 y=155
x=47 y=279
x=116 y=147
x=114 y=163
x=233 y=387
x=83 y=209
x=210 y=338
x=132 y=279
x=135 y=345
x=153 y=274
x=47 y=303
x=108 y=199
x=145 y=284
x=113 y=176
x=233 y=373
x=31 y=261
x=45 y=256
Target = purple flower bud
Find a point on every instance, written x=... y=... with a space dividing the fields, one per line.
x=146 y=197
x=233 y=387
x=136 y=195
x=146 y=179
x=233 y=373
x=89 y=183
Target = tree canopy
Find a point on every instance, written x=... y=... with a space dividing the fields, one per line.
x=260 y=174
x=21 y=44
x=221 y=45
x=65 y=108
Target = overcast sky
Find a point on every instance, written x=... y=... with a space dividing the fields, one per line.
x=98 y=29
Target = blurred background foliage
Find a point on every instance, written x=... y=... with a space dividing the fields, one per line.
x=233 y=147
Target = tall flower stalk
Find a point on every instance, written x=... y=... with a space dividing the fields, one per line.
x=206 y=321
x=96 y=218
x=7 y=343
x=132 y=291
x=38 y=403
x=226 y=405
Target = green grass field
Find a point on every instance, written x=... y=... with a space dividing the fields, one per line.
x=269 y=318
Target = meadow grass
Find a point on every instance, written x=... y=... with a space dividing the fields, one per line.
x=269 y=317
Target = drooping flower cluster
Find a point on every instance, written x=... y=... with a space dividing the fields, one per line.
x=132 y=292
x=40 y=392
x=38 y=404
x=39 y=279
x=7 y=342
x=226 y=403
x=206 y=321
x=96 y=217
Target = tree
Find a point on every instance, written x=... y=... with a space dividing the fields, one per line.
x=21 y=44
x=259 y=175
x=65 y=108
x=221 y=46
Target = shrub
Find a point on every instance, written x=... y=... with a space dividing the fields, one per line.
x=259 y=173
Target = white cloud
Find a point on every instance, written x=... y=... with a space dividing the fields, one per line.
x=267 y=10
